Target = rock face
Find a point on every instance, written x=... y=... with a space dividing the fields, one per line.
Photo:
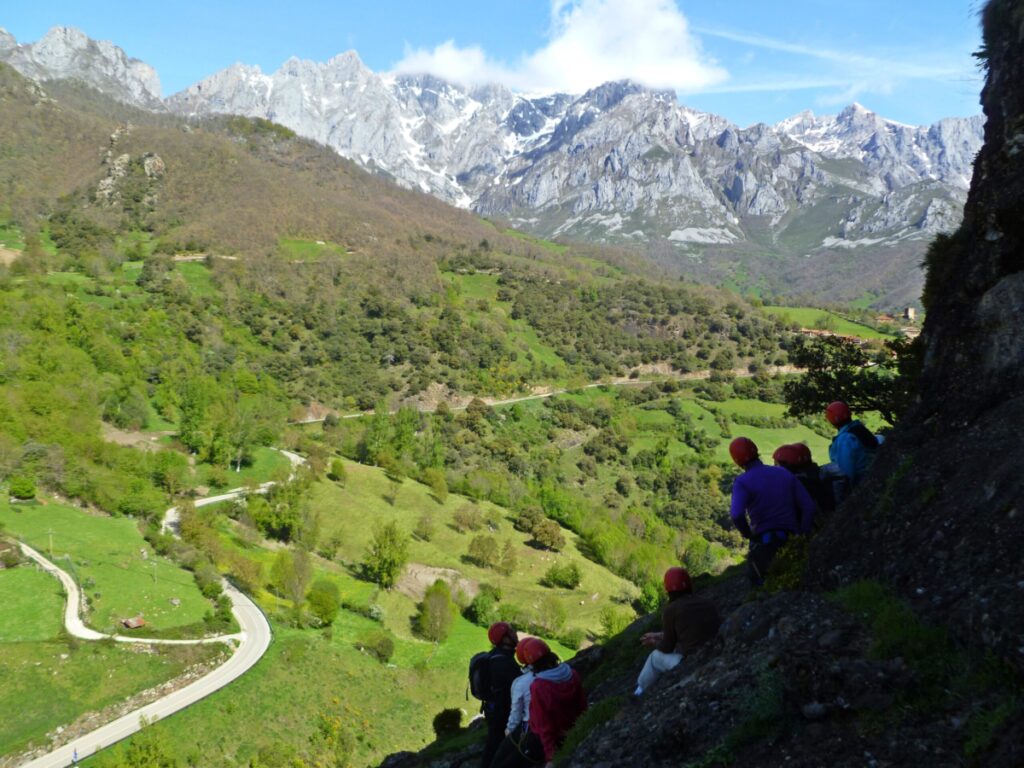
x=948 y=486
x=66 y=53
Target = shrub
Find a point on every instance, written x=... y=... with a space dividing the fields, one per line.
x=528 y=519
x=573 y=638
x=613 y=621
x=424 y=530
x=447 y=723
x=377 y=644
x=386 y=556
x=337 y=472
x=468 y=518
x=566 y=576
x=22 y=487
x=437 y=612
x=483 y=550
x=324 y=600
x=548 y=534
x=483 y=610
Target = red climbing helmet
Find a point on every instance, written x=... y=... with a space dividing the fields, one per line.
x=534 y=650
x=743 y=450
x=678 y=580
x=521 y=653
x=838 y=413
x=788 y=456
x=803 y=454
x=497 y=632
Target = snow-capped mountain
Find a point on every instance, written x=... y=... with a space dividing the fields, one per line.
x=66 y=53
x=620 y=163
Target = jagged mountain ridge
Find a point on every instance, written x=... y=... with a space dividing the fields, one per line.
x=843 y=206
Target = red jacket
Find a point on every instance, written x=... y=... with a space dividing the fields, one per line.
x=556 y=701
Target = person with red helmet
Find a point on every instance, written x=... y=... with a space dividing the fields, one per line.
x=498 y=670
x=769 y=505
x=797 y=458
x=521 y=748
x=688 y=621
x=853 y=448
x=556 y=699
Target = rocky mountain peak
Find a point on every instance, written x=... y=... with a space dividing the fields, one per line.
x=7 y=41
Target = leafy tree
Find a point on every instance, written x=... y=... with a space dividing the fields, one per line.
x=566 y=575
x=22 y=487
x=437 y=612
x=483 y=550
x=290 y=574
x=386 y=555
x=337 y=472
x=509 y=559
x=528 y=518
x=866 y=379
x=324 y=600
x=435 y=480
x=170 y=471
x=548 y=534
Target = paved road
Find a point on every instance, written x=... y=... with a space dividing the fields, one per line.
x=250 y=644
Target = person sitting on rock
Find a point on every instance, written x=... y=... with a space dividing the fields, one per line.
x=521 y=748
x=769 y=506
x=796 y=457
x=852 y=449
x=688 y=621
x=556 y=698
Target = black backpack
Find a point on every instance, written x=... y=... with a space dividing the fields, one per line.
x=867 y=440
x=480 y=676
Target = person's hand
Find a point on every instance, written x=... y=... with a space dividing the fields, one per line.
x=650 y=639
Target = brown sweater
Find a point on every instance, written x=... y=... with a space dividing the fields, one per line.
x=689 y=622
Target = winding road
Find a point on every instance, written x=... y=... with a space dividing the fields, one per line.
x=249 y=646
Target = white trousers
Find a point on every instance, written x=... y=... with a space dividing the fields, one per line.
x=657 y=663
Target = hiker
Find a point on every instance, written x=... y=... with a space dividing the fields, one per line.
x=796 y=457
x=852 y=449
x=556 y=698
x=499 y=670
x=769 y=506
x=688 y=621
x=521 y=748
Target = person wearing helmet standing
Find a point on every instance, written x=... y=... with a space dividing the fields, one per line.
x=521 y=748
x=797 y=458
x=688 y=621
x=853 y=448
x=501 y=672
x=556 y=699
x=769 y=506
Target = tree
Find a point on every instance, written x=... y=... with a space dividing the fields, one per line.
x=337 y=472
x=424 y=530
x=437 y=612
x=324 y=600
x=548 y=534
x=170 y=471
x=468 y=518
x=22 y=487
x=290 y=574
x=434 y=479
x=483 y=550
x=528 y=518
x=386 y=556
x=865 y=379
x=567 y=576
x=509 y=559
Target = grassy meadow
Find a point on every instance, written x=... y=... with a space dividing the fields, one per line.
x=812 y=317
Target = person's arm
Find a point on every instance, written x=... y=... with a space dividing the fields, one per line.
x=738 y=510
x=515 y=717
x=806 y=505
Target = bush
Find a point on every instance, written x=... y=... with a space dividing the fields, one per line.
x=483 y=550
x=337 y=472
x=22 y=487
x=573 y=638
x=447 y=723
x=613 y=621
x=377 y=644
x=324 y=600
x=566 y=576
x=483 y=610
x=437 y=613
x=424 y=530
x=468 y=518
x=528 y=519
x=548 y=534
x=386 y=556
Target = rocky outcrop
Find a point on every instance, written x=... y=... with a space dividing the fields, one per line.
x=67 y=53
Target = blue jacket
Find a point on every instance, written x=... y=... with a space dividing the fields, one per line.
x=773 y=500
x=848 y=453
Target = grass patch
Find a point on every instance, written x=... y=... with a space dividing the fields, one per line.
x=198 y=277
x=267 y=464
x=33 y=605
x=813 y=317
x=595 y=716
x=55 y=682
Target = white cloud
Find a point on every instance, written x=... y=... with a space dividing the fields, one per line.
x=590 y=42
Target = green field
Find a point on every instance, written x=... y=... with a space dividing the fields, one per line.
x=298 y=249
x=55 y=682
x=812 y=317
x=267 y=464
x=33 y=605
x=105 y=555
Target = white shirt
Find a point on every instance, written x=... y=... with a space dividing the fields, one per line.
x=520 y=701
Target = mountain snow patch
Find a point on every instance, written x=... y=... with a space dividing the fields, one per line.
x=709 y=235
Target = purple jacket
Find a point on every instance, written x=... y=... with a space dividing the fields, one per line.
x=772 y=499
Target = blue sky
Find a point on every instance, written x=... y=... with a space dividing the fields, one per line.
x=749 y=60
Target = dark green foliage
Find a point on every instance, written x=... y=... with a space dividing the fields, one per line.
x=483 y=550
x=564 y=575
x=337 y=472
x=447 y=723
x=548 y=535
x=867 y=380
